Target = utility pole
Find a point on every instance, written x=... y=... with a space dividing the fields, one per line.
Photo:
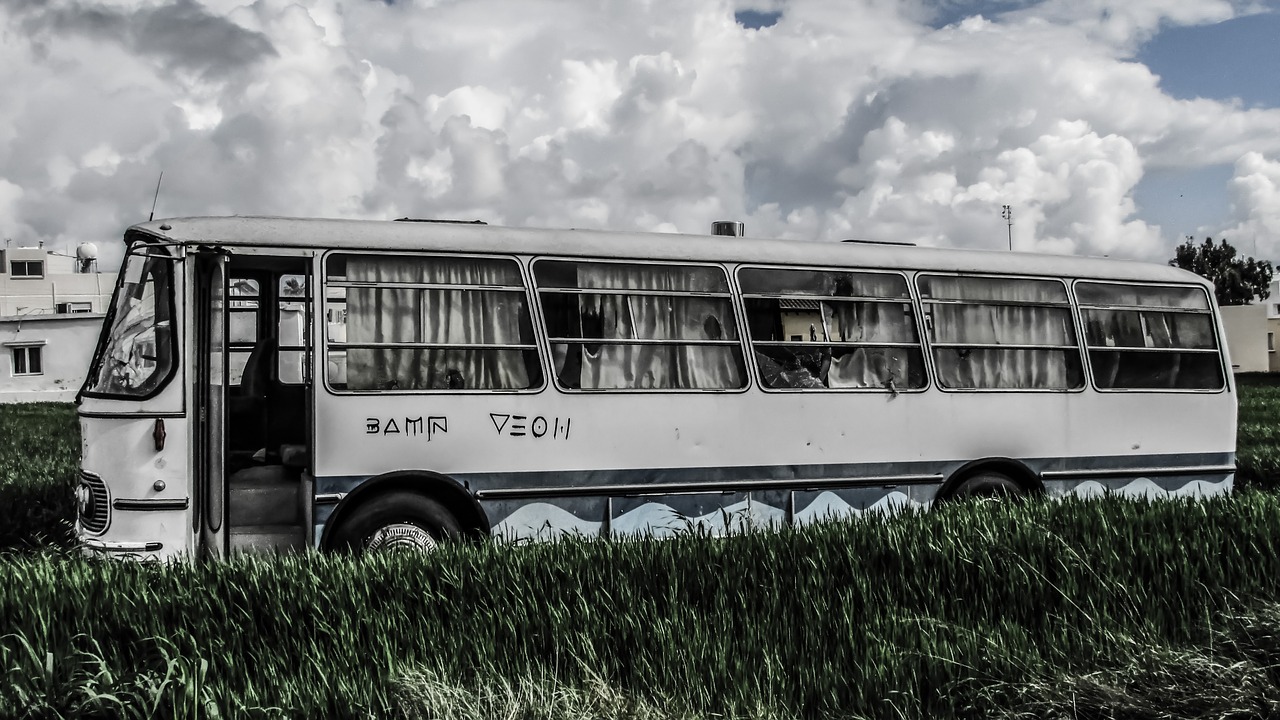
x=1007 y=213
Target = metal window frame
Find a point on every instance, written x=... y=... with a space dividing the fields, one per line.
x=1218 y=336
x=728 y=295
x=26 y=274
x=322 y=295
x=907 y=300
x=25 y=349
x=1068 y=305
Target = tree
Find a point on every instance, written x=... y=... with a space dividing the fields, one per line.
x=1236 y=280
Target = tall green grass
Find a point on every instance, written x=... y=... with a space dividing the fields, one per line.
x=39 y=457
x=1258 y=431
x=1073 y=609
x=941 y=614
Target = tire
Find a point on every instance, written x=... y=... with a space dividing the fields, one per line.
x=396 y=521
x=987 y=485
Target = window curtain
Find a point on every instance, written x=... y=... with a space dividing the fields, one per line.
x=650 y=317
x=869 y=322
x=406 y=315
x=988 y=367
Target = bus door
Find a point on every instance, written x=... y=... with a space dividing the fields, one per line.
x=211 y=402
x=267 y=439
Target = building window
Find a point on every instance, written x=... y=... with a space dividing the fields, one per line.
x=1271 y=342
x=27 y=360
x=26 y=269
x=74 y=307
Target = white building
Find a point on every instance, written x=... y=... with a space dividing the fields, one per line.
x=51 y=309
x=45 y=357
x=1249 y=340
x=1253 y=333
x=34 y=281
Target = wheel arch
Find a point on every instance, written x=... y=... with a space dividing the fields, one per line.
x=441 y=488
x=1015 y=470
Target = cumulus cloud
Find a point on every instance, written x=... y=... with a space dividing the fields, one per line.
x=1255 y=205
x=910 y=121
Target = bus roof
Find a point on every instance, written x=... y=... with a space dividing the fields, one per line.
x=330 y=234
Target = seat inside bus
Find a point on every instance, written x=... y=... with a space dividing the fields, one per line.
x=266 y=413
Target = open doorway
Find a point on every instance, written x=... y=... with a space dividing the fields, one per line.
x=268 y=457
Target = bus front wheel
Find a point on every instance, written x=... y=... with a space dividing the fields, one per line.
x=397 y=521
x=987 y=485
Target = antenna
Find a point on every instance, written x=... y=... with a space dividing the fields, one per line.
x=157 y=197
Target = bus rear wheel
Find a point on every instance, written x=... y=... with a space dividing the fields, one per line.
x=987 y=485
x=397 y=521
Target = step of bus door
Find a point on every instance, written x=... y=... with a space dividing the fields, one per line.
x=266 y=538
x=266 y=495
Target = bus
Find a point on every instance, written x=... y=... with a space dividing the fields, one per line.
x=344 y=385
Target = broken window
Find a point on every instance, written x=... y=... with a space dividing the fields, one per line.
x=829 y=329
x=1001 y=333
x=622 y=326
x=428 y=323
x=1150 y=337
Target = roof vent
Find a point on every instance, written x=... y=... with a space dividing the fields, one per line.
x=880 y=242
x=447 y=222
x=728 y=228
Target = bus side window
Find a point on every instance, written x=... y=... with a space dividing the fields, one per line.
x=242 y=325
x=830 y=329
x=990 y=333
x=1150 y=337
x=291 y=324
x=629 y=326
x=414 y=322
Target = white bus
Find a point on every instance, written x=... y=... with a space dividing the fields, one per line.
x=288 y=383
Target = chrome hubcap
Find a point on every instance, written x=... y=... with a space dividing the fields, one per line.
x=400 y=536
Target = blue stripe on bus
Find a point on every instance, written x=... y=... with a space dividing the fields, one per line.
x=583 y=493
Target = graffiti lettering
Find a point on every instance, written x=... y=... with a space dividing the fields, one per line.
x=521 y=426
x=437 y=424
x=412 y=426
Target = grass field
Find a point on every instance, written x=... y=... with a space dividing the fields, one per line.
x=1118 y=608
x=1258 y=430
x=39 y=458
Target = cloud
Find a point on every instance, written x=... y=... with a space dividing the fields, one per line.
x=1255 y=204
x=884 y=120
x=181 y=36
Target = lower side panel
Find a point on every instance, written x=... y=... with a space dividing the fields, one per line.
x=664 y=502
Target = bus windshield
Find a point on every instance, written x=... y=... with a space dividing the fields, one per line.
x=136 y=353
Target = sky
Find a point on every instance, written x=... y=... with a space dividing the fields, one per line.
x=1109 y=127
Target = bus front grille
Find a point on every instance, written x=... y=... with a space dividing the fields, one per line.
x=93 y=503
